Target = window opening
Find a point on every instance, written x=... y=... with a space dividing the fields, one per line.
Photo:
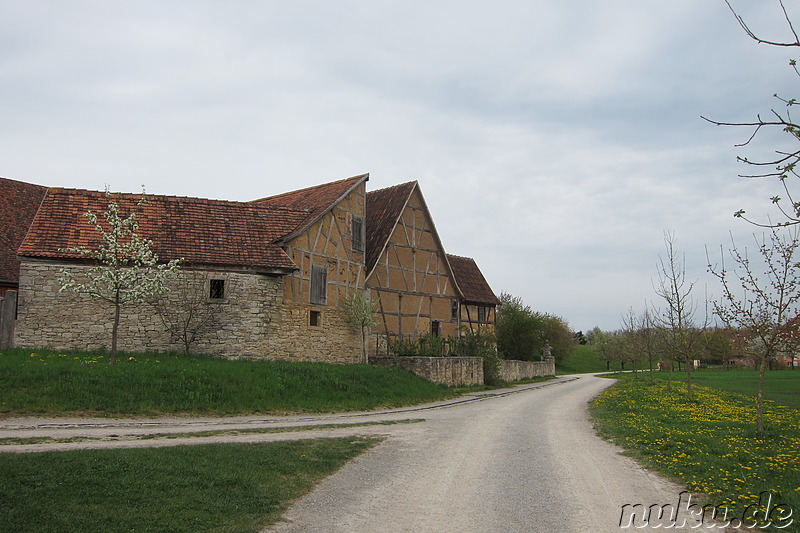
x=315 y=318
x=216 y=288
x=358 y=234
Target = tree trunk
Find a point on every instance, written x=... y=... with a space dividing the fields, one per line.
x=689 y=391
x=115 y=330
x=762 y=367
x=669 y=376
x=364 y=344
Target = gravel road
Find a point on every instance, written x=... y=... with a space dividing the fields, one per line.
x=524 y=462
x=524 y=459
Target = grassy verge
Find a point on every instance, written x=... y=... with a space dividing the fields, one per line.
x=37 y=382
x=782 y=386
x=582 y=361
x=710 y=445
x=225 y=487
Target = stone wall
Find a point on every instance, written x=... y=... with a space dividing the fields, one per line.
x=451 y=371
x=252 y=319
x=511 y=370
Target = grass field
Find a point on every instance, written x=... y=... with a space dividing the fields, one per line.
x=582 y=361
x=36 y=382
x=780 y=386
x=710 y=445
x=203 y=488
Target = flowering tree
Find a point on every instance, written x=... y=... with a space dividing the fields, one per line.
x=126 y=268
x=360 y=310
x=763 y=308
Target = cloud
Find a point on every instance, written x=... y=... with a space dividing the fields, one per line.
x=554 y=142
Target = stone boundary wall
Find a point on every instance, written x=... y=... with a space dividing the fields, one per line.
x=511 y=370
x=450 y=371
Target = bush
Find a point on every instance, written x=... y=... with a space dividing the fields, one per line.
x=425 y=346
x=481 y=344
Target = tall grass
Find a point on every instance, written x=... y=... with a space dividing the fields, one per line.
x=39 y=381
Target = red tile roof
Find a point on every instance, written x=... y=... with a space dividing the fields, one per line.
x=470 y=280
x=384 y=208
x=18 y=205
x=199 y=230
x=316 y=200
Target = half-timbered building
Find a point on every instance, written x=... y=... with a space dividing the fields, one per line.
x=478 y=301
x=276 y=271
x=417 y=290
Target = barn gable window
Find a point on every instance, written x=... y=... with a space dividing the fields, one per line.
x=319 y=284
x=358 y=234
x=481 y=313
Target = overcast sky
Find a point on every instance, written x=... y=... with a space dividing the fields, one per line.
x=555 y=142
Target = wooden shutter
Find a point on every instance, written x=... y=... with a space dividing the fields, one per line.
x=319 y=284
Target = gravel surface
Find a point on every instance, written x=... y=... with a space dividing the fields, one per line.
x=524 y=462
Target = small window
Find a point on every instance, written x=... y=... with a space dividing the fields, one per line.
x=314 y=318
x=454 y=310
x=436 y=328
x=216 y=288
x=319 y=284
x=358 y=234
x=481 y=313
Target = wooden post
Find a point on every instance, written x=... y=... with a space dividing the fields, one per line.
x=8 y=314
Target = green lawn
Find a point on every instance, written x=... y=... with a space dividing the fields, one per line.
x=781 y=386
x=204 y=488
x=38 y=382
x=582 y=361
x=710 y=445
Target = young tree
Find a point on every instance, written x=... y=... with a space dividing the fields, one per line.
x=783 y=164
x=126 y=269
x=361 y=313
x=650 y=340
x=679 y=322
x=632 y=335
x=190 y=312
x=762 y=307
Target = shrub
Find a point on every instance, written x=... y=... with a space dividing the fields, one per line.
x=481 y=344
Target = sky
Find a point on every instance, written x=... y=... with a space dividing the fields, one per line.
x=554 y=142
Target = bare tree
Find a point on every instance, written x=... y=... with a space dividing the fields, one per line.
x=634 y=348
x=189 y=312
x=649 y=338
x=782 y=165
x=678 y=320
x=763 y=308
